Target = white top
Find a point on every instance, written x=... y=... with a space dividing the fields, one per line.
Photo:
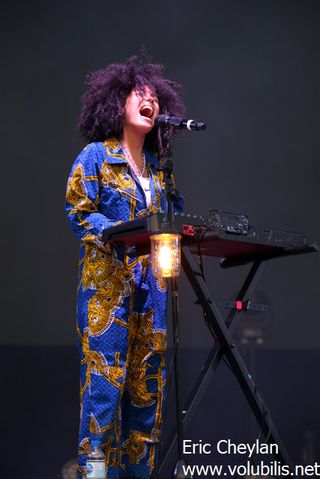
x=145 y=183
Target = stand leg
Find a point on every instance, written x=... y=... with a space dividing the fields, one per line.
x=178 y=470
x=175 y=320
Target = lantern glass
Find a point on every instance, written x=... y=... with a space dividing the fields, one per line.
x=166 y=255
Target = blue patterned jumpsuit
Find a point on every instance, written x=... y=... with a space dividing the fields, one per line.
x=121 y=314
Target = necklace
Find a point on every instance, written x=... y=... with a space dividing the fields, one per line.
x=133 y=164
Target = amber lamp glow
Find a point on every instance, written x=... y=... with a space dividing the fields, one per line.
x=166 y=255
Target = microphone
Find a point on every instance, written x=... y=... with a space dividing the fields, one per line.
x=180 y=123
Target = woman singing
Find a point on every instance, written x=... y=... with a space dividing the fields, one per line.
x=121 y=305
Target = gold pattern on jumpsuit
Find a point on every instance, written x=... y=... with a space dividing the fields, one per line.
x=111 y=453
x=77 y=193
x=106 y=301
x=96 y=428
x=130 y=264
x=97 y=364
x=84 y=446
x=98 y=267
x=111 y=278
x=117 y=177
x=143 y=343
x=133 y=203
x=158 y=416
x=144 y=263
x=136 y=445
x=137 y=378
x=113 y=144
x=158 y=182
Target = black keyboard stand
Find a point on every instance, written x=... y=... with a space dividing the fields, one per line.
x=223 y=330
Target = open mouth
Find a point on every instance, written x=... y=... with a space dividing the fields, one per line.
x=146 y=111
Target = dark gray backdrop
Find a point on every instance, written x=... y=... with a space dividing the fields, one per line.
x=250 y=69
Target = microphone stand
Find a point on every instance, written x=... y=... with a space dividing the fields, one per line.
x=167 y=225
